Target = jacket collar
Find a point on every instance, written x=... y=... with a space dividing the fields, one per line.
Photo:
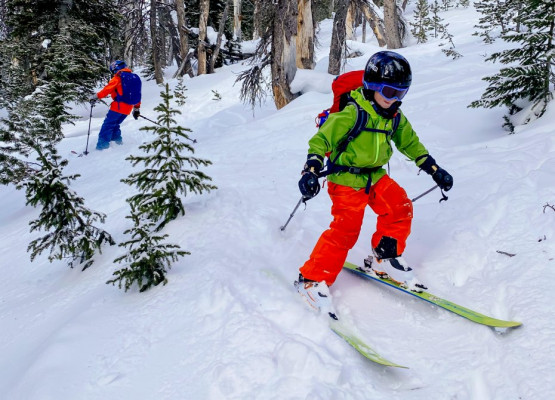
x=372 y=107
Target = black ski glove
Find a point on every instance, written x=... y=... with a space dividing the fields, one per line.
x=93 y=100
x=443 y=179
x=136 y=113
x=308 y=184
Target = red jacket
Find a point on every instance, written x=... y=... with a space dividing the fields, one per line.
x=113 y=88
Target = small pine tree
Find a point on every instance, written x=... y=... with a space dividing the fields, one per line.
x=436 y=22
x=450 y=52
x=526 y=82
x=148 y=259
x=179 y=92
x=421 y=24
x=165 y=178
x=497 y=17
x=73 y=234
x=446 y=4
x=217 y=96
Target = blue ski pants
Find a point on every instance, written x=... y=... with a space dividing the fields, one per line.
x=110 y=130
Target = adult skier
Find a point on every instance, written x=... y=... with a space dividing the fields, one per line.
x=357 y=179
x=119 y=109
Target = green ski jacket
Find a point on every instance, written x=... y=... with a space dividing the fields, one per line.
x=369 y=149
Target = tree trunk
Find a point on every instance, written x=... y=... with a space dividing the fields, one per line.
x=376 y=23
x=391 y=21
x=283 y=51
x=219 y=40
x=128 y=45
x=350 y=22
x=183 y=39
x=364 y=30
x=256 y=21
x=337 y=48
x=201 y=49
x=158 y=76
x=237 y=34
x=305 y=35
x=65 y=6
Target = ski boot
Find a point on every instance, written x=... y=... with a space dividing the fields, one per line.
x=395 y=269
x=316 y=295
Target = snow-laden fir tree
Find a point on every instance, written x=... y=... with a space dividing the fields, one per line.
x=31 y=131
x=168 y=173
x=72 y=231
x=422 y=23
x=525 y=85
x=34 y=124
x=497 y=17
x=148 y=259
x=75 y=32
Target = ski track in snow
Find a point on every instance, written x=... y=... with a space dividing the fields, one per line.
x=229 y=324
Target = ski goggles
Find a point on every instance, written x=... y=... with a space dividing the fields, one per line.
x=387 y=91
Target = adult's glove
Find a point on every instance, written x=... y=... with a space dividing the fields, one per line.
x=136 y=113
x=93 y=100
x=443 y=179
x=308 y=184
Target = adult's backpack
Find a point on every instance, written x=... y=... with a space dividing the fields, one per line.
x=131 y=87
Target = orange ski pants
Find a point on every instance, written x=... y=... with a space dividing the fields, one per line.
x=386 y=198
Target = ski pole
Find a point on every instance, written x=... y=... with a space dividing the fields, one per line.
x=444 y=197
x=89 y=132
x=301 y=200
x=154 y=122
x=148 y=119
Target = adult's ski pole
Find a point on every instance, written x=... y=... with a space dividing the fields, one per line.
x=89 y=132
x=154 y=122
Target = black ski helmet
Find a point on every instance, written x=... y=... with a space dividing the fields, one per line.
x=389 y=68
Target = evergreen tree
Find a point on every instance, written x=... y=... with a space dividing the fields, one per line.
x=165 y=178
x=527 y=79
x=72 y=234
x=436 y=22
x=422 y=22
x=179 y=92
x=497 y=17
x=44 y=35
x=450 y=52
x=148 y=259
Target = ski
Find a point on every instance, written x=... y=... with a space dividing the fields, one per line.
x=359 y=345
x=351 y=338
x=438 y=301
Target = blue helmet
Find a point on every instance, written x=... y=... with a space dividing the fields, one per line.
x=117 y=65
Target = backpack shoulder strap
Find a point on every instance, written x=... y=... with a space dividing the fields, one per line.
x=358 y=127
x=396 y=121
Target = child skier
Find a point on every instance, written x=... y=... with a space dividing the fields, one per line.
x=356 y=178
x=120 y=108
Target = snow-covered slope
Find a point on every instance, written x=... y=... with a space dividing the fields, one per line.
x=229 y=325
